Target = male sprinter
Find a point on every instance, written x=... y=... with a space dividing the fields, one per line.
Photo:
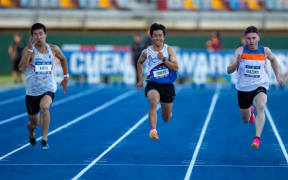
x=162 y=66
x=38 y=64
x=253 y=82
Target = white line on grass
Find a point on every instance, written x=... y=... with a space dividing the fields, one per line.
x=270 y=119
x=203 y=131
x=97 y=109
x=64 y=100
x=112 y=146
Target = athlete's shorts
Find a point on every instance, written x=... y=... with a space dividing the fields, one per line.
x=245 y=99
x=166 y=91
x=33 y=102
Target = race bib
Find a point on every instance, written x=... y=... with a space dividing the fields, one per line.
x=252 y=71
x=161 y=73
x=43 y=67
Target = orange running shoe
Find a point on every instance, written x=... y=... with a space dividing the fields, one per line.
x=153 y=134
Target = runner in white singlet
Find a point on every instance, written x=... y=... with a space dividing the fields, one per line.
x=38 y=65
x=252 y=79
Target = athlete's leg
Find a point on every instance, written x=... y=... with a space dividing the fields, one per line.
x=45 y=103
x=153 y=97
x=32 y=124
x=166 y=111
x=20 y=77
x=245 y=114
x=14 y=76
x=260 y=102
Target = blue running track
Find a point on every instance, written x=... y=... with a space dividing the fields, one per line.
x=101 y=133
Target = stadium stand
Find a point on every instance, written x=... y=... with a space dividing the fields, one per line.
x=162 y=5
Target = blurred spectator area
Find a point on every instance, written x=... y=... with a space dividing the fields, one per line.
x=161 y=5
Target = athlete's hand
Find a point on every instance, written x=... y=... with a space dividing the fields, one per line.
x=239 y=59
x=280 y=81
x=139 y=85
x=64 y=83
x=31 y=42
x=160 y=55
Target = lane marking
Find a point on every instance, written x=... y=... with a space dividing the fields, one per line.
x=95 y=110
x=11 y=100
x=203 y=131
x=144 y=118
x=56 y=103
x=150 y=165
x=271 y=121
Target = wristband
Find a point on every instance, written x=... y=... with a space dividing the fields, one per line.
x=164 y=59
x=66 y=75
x=30 y=50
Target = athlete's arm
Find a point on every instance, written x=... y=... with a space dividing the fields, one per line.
x=140 y=62
x=274 y=64
x=172 y=61
x=58 y=53
x=234 y=64
x=27 y=55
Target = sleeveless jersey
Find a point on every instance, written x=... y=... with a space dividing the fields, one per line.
x=157 y=71
x=251 y=72
x=39 y=73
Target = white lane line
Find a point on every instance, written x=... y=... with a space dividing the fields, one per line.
x=64 y=100
x=271 y=121
x=90 y=113
x=11 y=100
x=203 y=131
x=3 y=90
x=112 y=146
x=150 y=165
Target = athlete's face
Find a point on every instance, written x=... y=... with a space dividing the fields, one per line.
x=252 y=40
x=39 y=36
x=158 y=37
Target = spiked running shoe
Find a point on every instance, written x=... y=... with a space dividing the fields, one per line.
x=252 y=117
x=32 y=141
x=256 y=143
x=153 y=134
x=44 y=145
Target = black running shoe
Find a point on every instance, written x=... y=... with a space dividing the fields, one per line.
x=32 y=141
x=44 y=144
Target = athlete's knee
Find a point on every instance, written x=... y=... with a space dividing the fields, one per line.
x=153 y=104
x=260 y=107
x=245 y=118
x=45 y=107
x=32 y=124
x=166 y=117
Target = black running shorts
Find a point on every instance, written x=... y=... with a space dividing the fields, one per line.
x=166 y=91
x=33 y=102
x=245 y=99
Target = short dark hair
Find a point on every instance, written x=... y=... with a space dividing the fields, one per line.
x=155 y=27
x=37 y=26
x=251 y=29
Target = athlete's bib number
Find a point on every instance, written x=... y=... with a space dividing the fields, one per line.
x=43 y=68
x=161 y=73
x=252 y=71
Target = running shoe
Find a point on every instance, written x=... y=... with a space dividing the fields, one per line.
x=256 y=143
x=252 y=117
x=153 y=134
x=44 y=144
x=32 y=141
